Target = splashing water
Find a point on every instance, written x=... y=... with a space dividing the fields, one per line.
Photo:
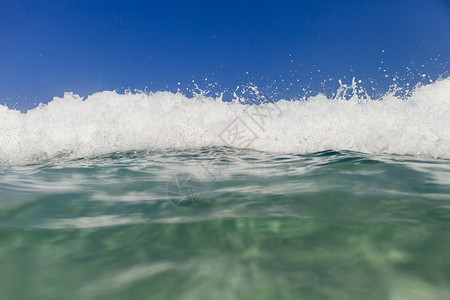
x=108 y=122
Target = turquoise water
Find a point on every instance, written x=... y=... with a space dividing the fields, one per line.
x=326 y=225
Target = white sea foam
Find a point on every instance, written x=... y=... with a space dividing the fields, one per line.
x=107 y=122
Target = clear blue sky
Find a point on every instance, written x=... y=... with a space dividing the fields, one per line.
x=50 y=47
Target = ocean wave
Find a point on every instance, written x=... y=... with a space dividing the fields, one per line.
x=107 y=122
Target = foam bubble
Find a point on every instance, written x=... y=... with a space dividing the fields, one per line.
x=108 y=122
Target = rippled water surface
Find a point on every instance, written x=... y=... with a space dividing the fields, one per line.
x=243 y=225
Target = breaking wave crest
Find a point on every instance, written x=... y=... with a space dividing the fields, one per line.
x=107 y=122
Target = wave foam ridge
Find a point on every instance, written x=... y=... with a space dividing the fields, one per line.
x=107 y=122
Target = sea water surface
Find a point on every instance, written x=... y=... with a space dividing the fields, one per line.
x=159 y=196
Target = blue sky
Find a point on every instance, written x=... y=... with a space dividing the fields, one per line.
x=51 y=47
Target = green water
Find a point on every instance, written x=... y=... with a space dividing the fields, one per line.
x=329 y=225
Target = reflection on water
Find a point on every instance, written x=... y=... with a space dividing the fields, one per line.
x=330 y=225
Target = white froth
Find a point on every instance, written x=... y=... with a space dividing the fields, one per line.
x=107 y=122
